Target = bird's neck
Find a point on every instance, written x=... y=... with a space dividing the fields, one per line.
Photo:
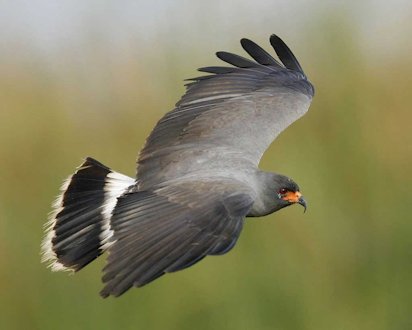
x=264 y=202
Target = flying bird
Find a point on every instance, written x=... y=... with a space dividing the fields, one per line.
x=197 y=176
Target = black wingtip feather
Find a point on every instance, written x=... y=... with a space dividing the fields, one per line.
x=217 y=69
x=258 y=53
x=235 y=60
x=285 y=54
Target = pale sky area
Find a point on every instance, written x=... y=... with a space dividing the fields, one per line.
x=49 y=25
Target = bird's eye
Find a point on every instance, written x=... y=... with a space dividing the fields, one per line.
x=283 y=191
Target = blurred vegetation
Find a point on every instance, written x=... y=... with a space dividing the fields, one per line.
x=345 y=264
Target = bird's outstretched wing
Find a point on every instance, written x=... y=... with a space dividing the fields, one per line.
x=171 y=228
x=229 y=117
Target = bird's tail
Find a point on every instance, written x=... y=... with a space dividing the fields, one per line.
x=79 y=230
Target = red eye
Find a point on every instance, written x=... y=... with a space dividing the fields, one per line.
x=283 y=191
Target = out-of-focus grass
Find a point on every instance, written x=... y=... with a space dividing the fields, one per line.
x=345 y=264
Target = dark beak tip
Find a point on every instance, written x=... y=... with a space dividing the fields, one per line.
x=303 y=203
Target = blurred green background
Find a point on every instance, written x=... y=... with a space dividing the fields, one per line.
x=92 y=78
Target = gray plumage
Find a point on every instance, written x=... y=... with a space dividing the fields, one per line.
x=197 y=175
x=211 y=127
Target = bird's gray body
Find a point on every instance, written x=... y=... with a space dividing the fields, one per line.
x=197 y=175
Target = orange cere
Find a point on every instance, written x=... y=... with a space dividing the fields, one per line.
x=292 y=196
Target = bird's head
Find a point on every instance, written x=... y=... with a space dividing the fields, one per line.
x=278 y=192
x=286 y=192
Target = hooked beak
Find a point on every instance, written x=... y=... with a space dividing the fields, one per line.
x=302 y=202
